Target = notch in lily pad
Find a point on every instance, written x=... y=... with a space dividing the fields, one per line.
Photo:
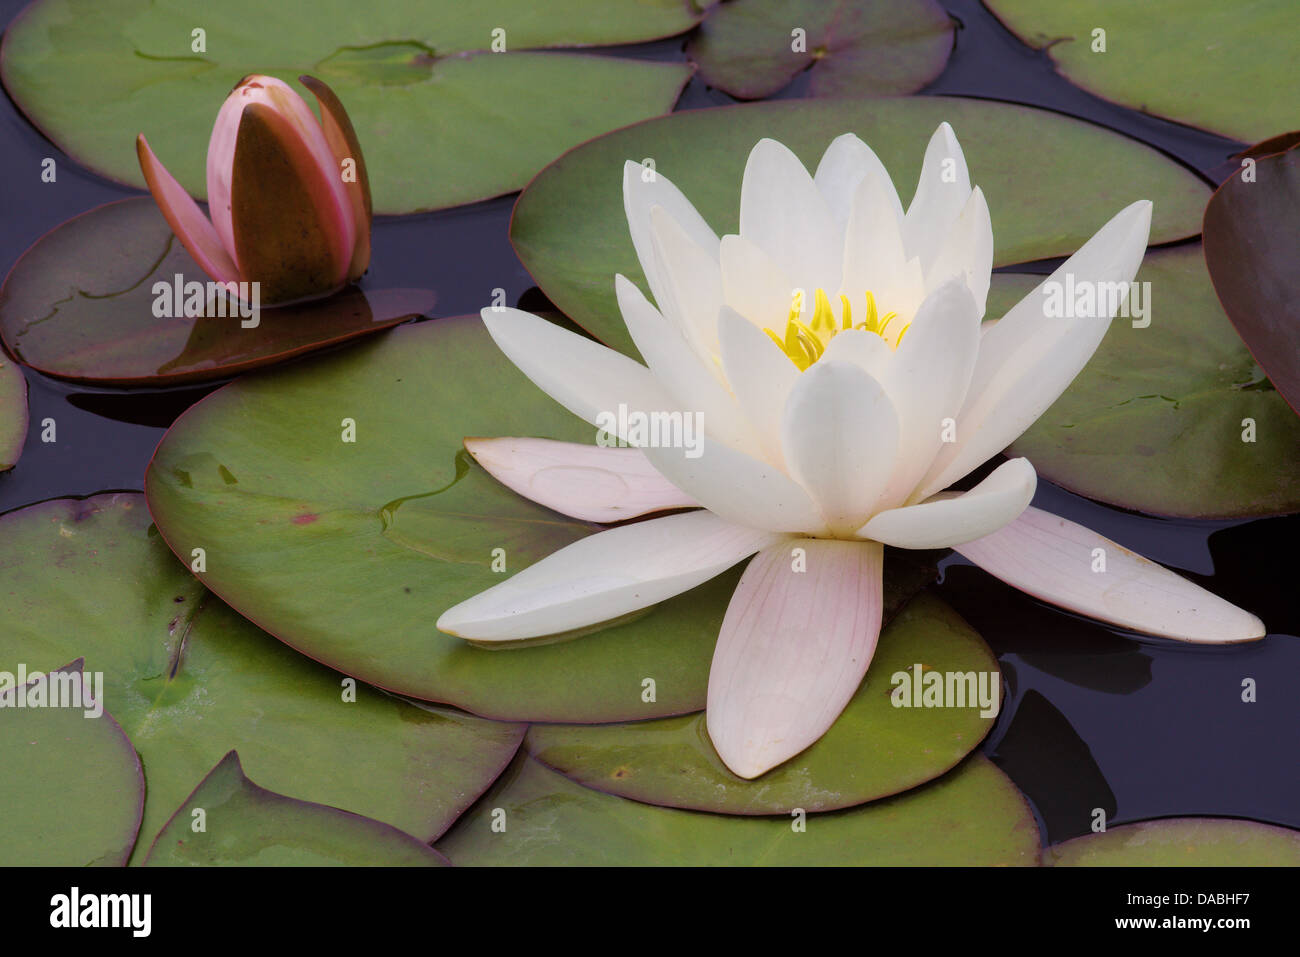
x=230 y=821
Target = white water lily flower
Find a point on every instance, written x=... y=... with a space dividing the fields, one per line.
x=834 y=352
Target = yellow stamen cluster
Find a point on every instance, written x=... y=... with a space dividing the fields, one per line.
x=805 y=343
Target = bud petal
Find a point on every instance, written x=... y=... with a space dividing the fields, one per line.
x=187 y=221
x=343 y=142
x=293 y=229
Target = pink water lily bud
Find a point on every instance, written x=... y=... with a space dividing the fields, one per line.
x=288 y=194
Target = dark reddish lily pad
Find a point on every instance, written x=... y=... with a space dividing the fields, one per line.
x=13 y=412
x=750 y=49
x=244 y=824
x=1252 y=233
x=80 y=305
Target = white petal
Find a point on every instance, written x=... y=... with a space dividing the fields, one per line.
x=941 y=192
x=680 y=370
x=585 y=481
x=926 y=378
x=840 y=436
x=588 y=379
x=967 y=252
x=644 y=189
x=692 y=282
x=761 y=375
x=1030 y=357
x=603 y=576
x=783 y=213
x=950 y=521
x=874 y=259
x=739 y=488
x=754 y=285
x=873 y=245
x=844 y=165
x=1053 y=559
x=793 y=649
x=866 y=350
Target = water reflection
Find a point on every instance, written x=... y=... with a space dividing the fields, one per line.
x=1047 y=759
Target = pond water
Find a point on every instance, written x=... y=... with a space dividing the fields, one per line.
x=1093 y=718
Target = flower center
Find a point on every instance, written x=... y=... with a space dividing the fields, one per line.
x=804 y=343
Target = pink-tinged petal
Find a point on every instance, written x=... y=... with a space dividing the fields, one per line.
x=221 y=166
x=962 y=517
x=309 y=139
x=187 y=221
x=796 y=640
x=292 y=232
x=604 y=576
x=585 y=481
x=1073 y=567
x=344 y=144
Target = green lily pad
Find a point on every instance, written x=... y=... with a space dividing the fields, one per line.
x=1155 y=421
x=189 y=679
x=13 y=413
x=874 y=749
x=1181 y=842
x=80 y=305
x=1252 y=232
x=443 y=120
x=1051 y=182
x=72 y=790
x=750 y=48
x=972 y=816
x=1198 y=62
x=230 y=821
x=349 y=552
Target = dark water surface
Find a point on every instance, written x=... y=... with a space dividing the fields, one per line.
x=1093 y=718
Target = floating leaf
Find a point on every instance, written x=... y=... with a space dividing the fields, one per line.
x=1051 y=182
x=71 y=790
x=349 y=551
x=874 y=748
x=1181 y=842
x=246 y=825
x=13 y=412
x=1227 y=68
x=752 y=48
x=1252 y=233
x=443 y=120
x=80 y=304
x=972 y=816
x=189 y=680
x=1173 y=417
